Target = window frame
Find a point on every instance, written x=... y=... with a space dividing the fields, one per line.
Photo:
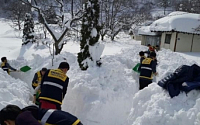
x=168 y=38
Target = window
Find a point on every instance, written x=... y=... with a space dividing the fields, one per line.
x=168 y=38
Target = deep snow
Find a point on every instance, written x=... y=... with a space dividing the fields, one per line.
x=102 y=96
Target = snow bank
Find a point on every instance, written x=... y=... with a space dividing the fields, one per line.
x=153 y=105
x=13 y=91
x=108 y=95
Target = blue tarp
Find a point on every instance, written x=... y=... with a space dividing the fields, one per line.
x=185 y=78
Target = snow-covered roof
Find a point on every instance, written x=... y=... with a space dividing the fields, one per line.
x=145 y=30
x=136 y=27
x=178 y=21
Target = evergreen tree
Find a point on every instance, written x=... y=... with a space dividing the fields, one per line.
x=28 y=31
x=89 y=35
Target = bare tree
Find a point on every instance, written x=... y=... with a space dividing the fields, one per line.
x=164 y=4
x=116 y=15
x=16 y=12
x=191 y=6
x=58 y=37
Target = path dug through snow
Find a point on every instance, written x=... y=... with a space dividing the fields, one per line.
x=108 y=95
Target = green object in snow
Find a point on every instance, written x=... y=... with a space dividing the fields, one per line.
x=25 y=68
x=135 y=68
x=37 y=98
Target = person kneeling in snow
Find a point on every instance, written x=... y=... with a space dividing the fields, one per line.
x=36 y=82
x=6 y=66
x=38 y=77
x=32 y=115
x=147 y=69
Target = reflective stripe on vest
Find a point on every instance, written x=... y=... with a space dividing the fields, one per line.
x=146 y=68
x=53 y=84
x=46 y=116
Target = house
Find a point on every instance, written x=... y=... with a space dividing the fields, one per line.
x=180 y=31
x=148 y=37
x=135 y=28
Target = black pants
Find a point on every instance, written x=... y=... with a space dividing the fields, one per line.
x=144 y=83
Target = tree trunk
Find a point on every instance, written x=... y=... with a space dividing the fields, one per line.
x=72 y=8
x=112 y=37
x=102 y=36
x=57 y=49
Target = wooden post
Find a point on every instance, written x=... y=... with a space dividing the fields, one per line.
x=175 y=41
x=53 y=53
x=192 y=43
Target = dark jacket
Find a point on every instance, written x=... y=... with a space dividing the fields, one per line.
x=149 y=51
x=54 y=86
x=147 y=68
x=6 y=67
x=46 y=117
x=26 y=118
x=141 y=59
x=36 y=79
x=185 y=78
x=58 y=117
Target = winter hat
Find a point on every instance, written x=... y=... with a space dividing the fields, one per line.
x=3 y=58
x=152 y=54
x=141 y=53
x=64 y=65
x=44 y=69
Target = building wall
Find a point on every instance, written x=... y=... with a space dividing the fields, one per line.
x=172 y=41
x=152 y=40
x=162 y=40
x=143 y=39
x=196 y=43
x=184 y=42
x=138 y=37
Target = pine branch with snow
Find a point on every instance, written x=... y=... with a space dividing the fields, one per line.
x=91 y=50
x=28 y=31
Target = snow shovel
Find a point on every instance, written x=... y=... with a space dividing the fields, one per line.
x=25 y=68
x=135 y=68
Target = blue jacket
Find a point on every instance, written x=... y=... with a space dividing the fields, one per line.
x=147 y=68
x=185 y=78
x=32 y=115
x=36 y=79
x=54 y=86
x=58 y=117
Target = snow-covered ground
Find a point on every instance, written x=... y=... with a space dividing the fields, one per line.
x=102 y=96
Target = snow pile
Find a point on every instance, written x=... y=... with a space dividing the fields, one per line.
x=13 y=91
x=107 y=95
x=98 y=93
x=177 y=21
x=153 y=105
